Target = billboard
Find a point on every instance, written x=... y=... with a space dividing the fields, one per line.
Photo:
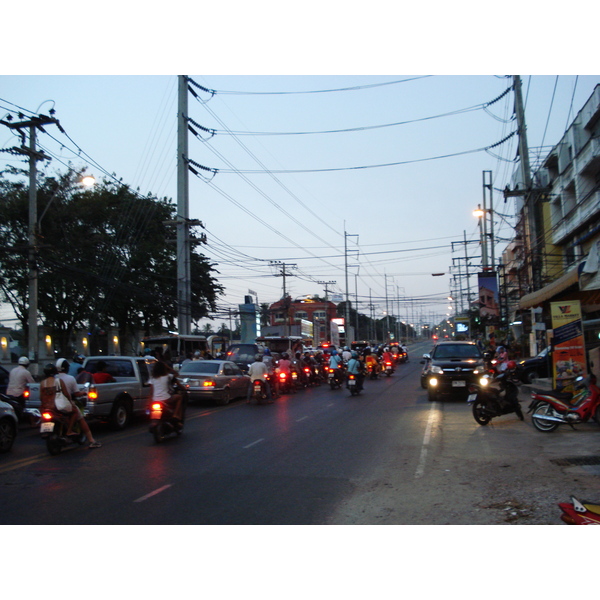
x=489 y=301
x=568 y=357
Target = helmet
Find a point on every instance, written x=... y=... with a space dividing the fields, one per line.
x=197 y=354
x=24 y=361
x=334 y=352
x=62 y=364
x=284 y=355
x=511 y=365
x=50 y=370
x=354 y=354
x=267 y=352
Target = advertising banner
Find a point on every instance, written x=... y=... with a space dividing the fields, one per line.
x=568 y=357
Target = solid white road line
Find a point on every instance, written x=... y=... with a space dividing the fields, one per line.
x=433 y=414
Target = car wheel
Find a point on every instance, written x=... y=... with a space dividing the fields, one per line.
x=531 y=375
x=225 y=397
x=120 y=415
x=8 y=433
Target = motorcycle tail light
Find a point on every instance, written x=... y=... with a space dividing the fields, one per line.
x=352 y=377
x=306 y=370
x=47 y=416
x=472 y=389
x=282 y=376
x=156 y=406
x=26 y=393
x=294 y=375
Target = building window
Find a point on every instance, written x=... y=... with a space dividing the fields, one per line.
x=301 y=314
x=279 y=317
x=320 y=314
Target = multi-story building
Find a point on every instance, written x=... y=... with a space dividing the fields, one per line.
x=560 y=262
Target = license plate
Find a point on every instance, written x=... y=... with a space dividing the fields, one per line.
x=46 y=427
x=352 y=382
x=330 y=375
x=472 y=398
x=155 y=414
x=459 y=383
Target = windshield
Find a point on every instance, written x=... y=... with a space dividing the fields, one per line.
x=457 y=351
x=200 y=367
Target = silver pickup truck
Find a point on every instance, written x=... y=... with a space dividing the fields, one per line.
x=114 y=402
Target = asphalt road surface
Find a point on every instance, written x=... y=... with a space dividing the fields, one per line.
x=388 y=456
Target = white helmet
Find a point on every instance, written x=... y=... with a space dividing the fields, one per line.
x=62 y=364
x=24 y=361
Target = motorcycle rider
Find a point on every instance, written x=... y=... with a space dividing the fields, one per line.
x=258 y=370
x=161 y=381
x=70 y=389
x=346 y=354
x=355 y=367
x=17 y=382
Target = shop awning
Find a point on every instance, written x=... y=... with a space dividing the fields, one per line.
x=551 y=290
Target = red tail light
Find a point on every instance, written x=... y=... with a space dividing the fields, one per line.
x=26 y=393
x=352 y=377
x=93 y=393
x=47 y=416
x=283 y=376
x=388 y=364
x=156 y=406
x=306 y=370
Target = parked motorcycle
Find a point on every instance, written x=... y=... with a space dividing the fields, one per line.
x=580 y=513
x=549 y=409
x=162 y=422
x=495 y=396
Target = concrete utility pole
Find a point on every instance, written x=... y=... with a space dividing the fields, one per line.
x=347 y=308
x=283 y=273
x=31 y=151
x=184 y=278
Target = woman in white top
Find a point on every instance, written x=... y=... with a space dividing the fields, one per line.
x=160 y=384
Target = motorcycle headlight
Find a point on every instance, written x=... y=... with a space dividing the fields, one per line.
x=484 y=381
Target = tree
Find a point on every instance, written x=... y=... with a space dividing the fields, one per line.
x=104 y=257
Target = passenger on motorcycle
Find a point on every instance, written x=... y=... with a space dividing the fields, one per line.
x=335 y=360
x=258 y=370
x=69 y=387
x=372 y=362
x=285 y=365
x=161 y=382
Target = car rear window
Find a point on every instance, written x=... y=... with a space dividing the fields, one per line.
x=457 y=351
x=201 y=367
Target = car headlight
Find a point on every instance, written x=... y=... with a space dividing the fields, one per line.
x=437 y=370
x=433 y=382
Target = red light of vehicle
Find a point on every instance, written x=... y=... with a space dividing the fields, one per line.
x=93 y=394
x=352 y=377
x=208 y=384
x=282 y=375
x=157 y=406
x=26 y=393
x=47 y=416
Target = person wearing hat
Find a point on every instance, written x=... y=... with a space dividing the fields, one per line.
x=17 y=382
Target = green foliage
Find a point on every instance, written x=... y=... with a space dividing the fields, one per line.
x=105 y=256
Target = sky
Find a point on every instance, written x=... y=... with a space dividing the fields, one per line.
x=390 y=165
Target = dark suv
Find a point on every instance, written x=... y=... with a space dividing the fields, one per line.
x=451 y=367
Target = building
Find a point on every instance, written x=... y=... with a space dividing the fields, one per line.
x=288 y=315
x=554 y=254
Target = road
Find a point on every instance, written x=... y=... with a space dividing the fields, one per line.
x=388 y=456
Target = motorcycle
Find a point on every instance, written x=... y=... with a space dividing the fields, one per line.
x=259 y=392
x=549 y=409
x=162 y=422
x=353 y=384
x=373 y=370
x=494 y=396
x=286 y=385
x=579 y=513
x=54 y=426
x=335 y=377
x=388 y=368
x=28 y=415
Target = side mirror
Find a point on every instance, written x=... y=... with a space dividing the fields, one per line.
x=427 y=356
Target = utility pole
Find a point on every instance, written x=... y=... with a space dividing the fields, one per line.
x=327 y=319
x=31 y=151
x=283 y=273
x=347 y=308
x=487 y=185
x=184 y=279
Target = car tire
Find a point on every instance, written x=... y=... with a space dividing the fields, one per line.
x=225 y=399
x=8 y=433
x=120 y=416
x=531 y=375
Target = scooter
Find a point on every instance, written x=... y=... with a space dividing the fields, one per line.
x=495 y=396
x=286 y=385
x=353 y=384
x=335 y=377
x=551 y=409
x=259 y=392
x=162 y=422
x=388 y=368
x=54 y=426
x=579 y=513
